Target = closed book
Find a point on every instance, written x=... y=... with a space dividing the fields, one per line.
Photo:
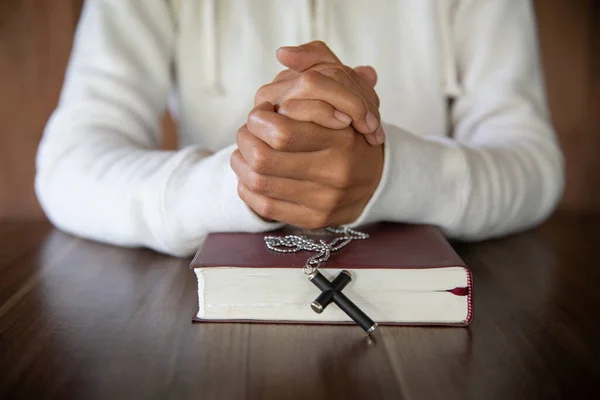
x=401 y=275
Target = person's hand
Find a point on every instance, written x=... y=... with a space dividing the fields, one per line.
x=301 y=173
x=318 y=84
x=304 y=57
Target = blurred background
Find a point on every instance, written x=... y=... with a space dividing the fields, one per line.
x=36 y=37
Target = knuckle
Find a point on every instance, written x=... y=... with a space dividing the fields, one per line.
x=282 y=137
x=253 y=115
x=233 y=160
x=333 y=200
x=262 y=94
x=343 y=179
x=240 y=191
x=283 y=75
x=287 y=106
x=258 y=184
x=256 y=116
x=266 y=208
x=319 y=44
x=242 y=130
x=241 y=136
x=259 y=161
x=309 y=79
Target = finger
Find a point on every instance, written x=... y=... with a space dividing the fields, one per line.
x=293 y=214
x=301 y=58
x=364 y=76
x=264 y=106
x=285 y=75
x=368 y=73
x=282 y=211
x=309 y=194
x=286 y=134
x=365 y=116
x=350 y=79
x=272 y=92
x=316 y=111
x=264 y=160
x=313 y=85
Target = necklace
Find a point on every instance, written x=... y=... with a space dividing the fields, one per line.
x=331 y=291
x=296 y=243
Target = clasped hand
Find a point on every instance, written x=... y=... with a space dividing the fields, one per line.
x=311 y=154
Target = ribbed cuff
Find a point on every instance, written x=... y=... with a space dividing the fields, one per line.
x=423 y=181
x=202 y=197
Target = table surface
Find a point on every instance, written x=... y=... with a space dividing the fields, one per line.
x=80 y=319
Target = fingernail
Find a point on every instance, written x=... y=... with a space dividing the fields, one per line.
x=380 y=135
x=342 y=117
x=293 y=49
x=372 y=122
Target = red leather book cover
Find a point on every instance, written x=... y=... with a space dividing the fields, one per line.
x=389 y=246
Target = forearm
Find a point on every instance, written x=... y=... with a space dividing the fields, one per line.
x=503 y=171
x=470 y=190
x=112 y=191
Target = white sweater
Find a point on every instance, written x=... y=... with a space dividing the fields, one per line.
x=488 y=166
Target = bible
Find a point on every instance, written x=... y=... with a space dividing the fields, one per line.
x=401 y=275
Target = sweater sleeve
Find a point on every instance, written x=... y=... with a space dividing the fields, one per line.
x=99 y=173
x=503 y=170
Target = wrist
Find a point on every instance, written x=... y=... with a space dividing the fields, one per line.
x=367 y=211
x=375 y=182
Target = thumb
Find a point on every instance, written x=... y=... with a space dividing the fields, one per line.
x=368 y=73
x=303 y=57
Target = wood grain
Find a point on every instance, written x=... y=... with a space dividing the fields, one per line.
x=80 y=319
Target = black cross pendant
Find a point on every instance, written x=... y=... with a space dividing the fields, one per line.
x=332 y=292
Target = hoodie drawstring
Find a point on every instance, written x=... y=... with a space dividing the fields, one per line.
x=209 y=32
x=317 y=21
x=449 y=71
x=210 y=24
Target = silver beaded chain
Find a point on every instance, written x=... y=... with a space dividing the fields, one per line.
x=296 y=243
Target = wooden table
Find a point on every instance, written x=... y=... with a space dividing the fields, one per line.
x=85 y=320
